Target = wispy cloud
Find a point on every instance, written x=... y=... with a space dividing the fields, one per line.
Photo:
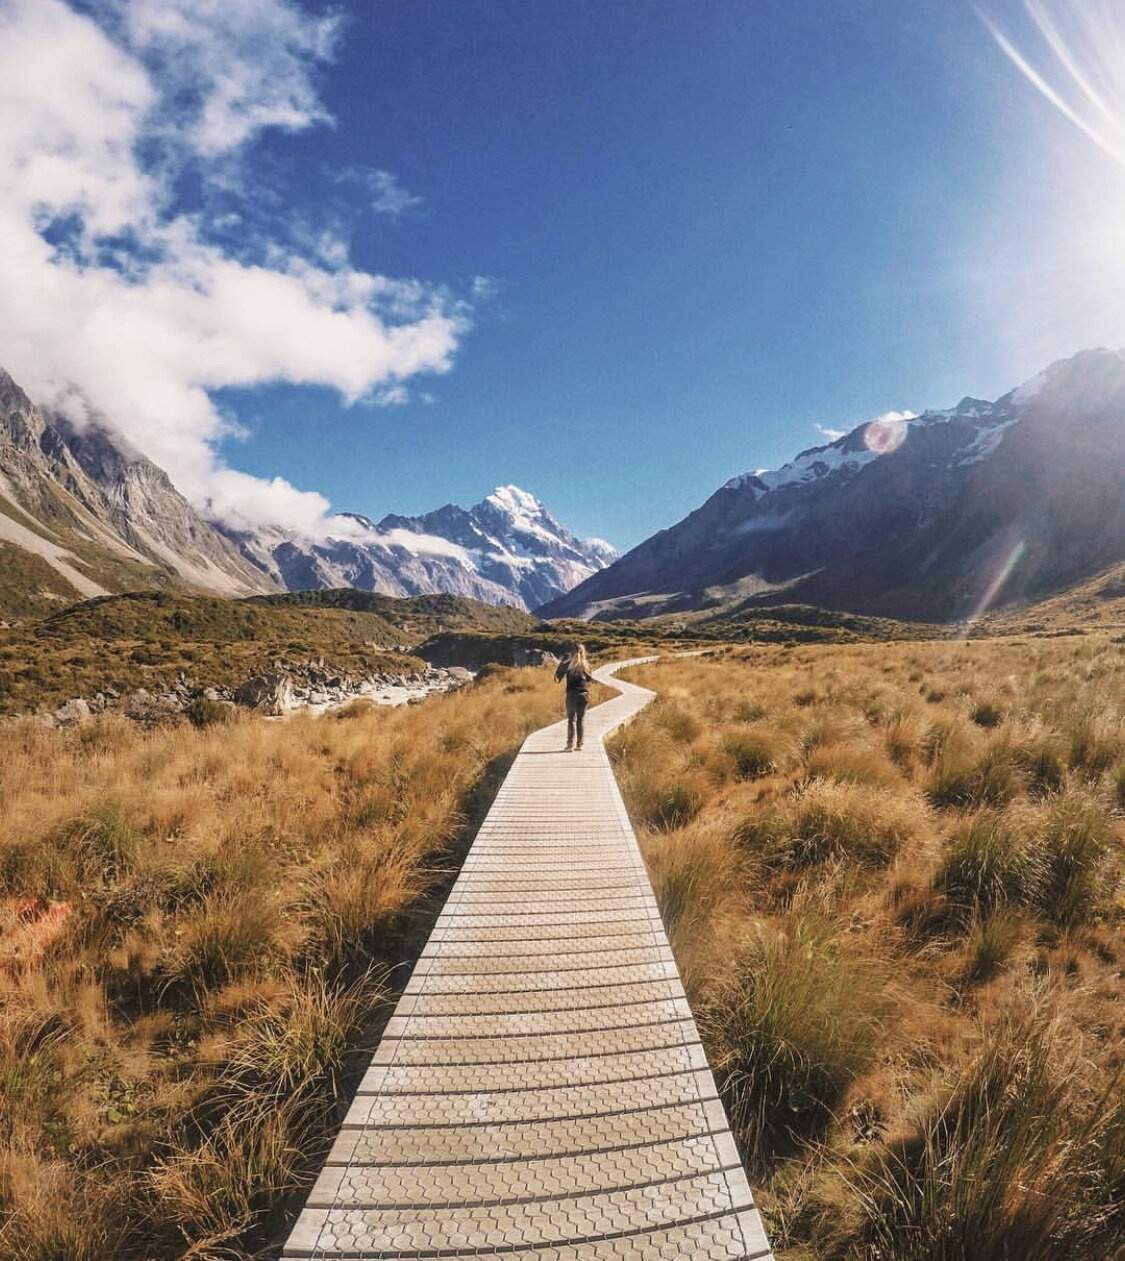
x=386 y=195
x=832 y=435
x=116 y=300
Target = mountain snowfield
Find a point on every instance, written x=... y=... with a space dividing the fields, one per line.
x=507 y=549
x=921 y=516
x=84 y=515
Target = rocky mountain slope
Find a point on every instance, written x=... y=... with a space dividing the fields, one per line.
x=81 y=516
x=936 y=517
x=508 y=549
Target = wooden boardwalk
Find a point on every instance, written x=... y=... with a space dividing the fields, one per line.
x=540 y=1093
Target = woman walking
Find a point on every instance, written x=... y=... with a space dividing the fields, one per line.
x=576 y=670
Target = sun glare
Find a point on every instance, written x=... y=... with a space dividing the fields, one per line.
x=1080 y=66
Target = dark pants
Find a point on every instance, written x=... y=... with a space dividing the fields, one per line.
x=575 y=717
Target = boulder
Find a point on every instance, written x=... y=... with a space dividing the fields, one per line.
x=269 y=693
x=76 y=710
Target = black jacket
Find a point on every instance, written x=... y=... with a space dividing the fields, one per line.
x=577 y=681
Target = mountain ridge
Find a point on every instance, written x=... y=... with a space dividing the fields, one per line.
x=507 y=549
x=924 y=517
x=83 y=515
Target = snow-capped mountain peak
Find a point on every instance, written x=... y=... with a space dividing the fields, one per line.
x=907 y=516
x=847 y=455
x=516 y=502
x=507 y=549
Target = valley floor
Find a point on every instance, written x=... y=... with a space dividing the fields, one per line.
x=891 y=874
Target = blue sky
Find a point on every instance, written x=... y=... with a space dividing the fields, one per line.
x=615 y=252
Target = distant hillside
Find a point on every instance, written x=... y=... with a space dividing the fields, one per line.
x=414 y=617
x=930 y=518
x=149 y=640
x=1098 y=602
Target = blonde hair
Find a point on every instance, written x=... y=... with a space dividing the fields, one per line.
x=579 y=660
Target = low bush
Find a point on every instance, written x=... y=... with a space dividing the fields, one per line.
x=986 y=714
x=991 y=942
x=675 y=803
x=204 y=712
x=1075 y=844
x=104 y=843
x=1044 y=767
x=990 y=780
x=1095 y=744
x=824 y=821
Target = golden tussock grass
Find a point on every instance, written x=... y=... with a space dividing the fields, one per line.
x=893 y=876
x=242 y=901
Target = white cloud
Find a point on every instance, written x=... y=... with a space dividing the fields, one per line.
x=831 y=434
x=388 y=197
x=111 y=301
x=243 y=67
x=891 y=417
x=431 y=544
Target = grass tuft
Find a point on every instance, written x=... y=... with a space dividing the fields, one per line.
x=793 y=1023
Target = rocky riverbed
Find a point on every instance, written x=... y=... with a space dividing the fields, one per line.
x=315 y=689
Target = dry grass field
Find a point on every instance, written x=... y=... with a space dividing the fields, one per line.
x=892 y=876
x=174 y=1061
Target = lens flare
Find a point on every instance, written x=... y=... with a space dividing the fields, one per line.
x=996 y=585
x=885 y=435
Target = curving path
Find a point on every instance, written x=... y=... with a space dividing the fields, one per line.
x=540 y=1093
